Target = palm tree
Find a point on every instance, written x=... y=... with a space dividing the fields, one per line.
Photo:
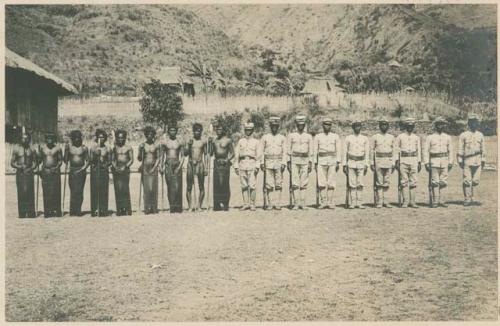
x=200 y=70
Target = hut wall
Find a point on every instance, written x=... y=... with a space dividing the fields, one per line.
x=31 y=101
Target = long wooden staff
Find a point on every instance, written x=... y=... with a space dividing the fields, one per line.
x=400 y=187
x=64 y=187
x=37 y=179
x=209 y=159
x=142 y=174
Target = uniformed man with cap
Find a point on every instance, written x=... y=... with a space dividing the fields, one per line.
x=471 y=157
x=382 y=162
x=273 y=162
x=356 y=161
x=326 y=156
x=438 y=159
x=246 y=165
x=300 y=150
x=409 y=150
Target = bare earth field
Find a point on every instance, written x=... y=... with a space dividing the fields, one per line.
x=425 y=264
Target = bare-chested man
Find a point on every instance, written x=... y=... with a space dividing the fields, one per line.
x=196 y=151
x=24 y=160
x=222 y=149
x=173 y=158
x=77 y=155
x=149 y=155
x=100 y=159
x=122 y=157
x=51 y=158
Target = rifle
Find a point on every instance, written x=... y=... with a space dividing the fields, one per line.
x=264 y=190
x=290 y=190
x=400 y=190
x=429 y=183
x=317 y=186
x=375 y=201
x=347 y=193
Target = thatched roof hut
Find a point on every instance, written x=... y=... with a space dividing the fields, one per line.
x=173 y=76
x=32 y=95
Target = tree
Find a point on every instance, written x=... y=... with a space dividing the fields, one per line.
x=200 y=70
x=161 y=104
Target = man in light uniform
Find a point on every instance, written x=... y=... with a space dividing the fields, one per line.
x=300 y=149
x=246 y=165
x=273 y=162
x=438 y=159
x=326 y=156
x=356 y=161
x=382 y=163
x=471 y=157
x=408 y=162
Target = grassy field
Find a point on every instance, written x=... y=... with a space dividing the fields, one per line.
x=360 y=105
x=425 y=264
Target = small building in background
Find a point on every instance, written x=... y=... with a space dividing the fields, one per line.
x=173 y=76
x=393 y=64
x=327 y=90
x=31 y=98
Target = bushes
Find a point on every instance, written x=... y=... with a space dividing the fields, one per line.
x=161 y=104
x=230 y=122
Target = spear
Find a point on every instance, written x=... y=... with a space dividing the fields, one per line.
x=209 y=159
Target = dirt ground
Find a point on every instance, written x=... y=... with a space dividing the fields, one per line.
x=425 y=264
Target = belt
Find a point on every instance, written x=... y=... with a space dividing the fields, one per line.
x=471 y=155
x=272 y=157
x=409 y=154
x=246 y=157
x=436 y=155
x=296 y=154
x=356 y=157
x=379 y=154
x=324 y=154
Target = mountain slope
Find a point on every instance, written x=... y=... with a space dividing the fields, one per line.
x=113 y=46
x=319 y=33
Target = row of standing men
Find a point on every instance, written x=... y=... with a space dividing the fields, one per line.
x=274 y=153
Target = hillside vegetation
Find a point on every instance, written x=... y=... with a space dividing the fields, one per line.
x=113 y=47
x=270 y=49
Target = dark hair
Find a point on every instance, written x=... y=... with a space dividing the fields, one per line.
x=99 y=132
x=121 y=131
x=75 y=133
x=149 y=129
x=197 y=126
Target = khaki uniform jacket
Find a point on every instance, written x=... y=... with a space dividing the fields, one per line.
x=471 y=149
x=408 y=149
x=326 y=149
x=300 y=148
x=247 y=156
x=273 y=150
x=383 y=151
x=356 y=151
x=438 y=150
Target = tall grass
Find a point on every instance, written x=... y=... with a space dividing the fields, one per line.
x=363 y=106
x=211 y=105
